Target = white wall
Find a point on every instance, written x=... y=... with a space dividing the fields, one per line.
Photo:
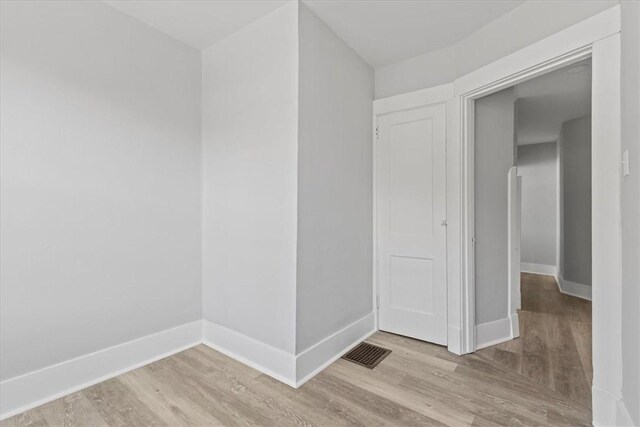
x=422 y=71
x=575 y=172
x=538 y=167
x=630 y=209
x=530 y=22
x=250 y=133
x=494 y=119
x=100 y=176
x=335 y=204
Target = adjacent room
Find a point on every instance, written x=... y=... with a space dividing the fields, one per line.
x=533 y=198
x=320 y=213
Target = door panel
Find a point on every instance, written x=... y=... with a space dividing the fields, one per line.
x=411 y=205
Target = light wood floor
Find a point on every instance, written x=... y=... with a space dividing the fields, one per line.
x=554 y=348
x=417 y=384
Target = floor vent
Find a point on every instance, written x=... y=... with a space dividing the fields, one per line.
x=367 y=355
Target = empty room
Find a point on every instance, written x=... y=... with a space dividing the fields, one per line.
x=320 y=213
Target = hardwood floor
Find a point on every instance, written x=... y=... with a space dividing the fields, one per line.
x=554 y=348
x=417 y=384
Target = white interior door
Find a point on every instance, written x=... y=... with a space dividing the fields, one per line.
x=411 y=223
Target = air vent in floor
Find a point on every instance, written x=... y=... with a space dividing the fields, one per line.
x=367 y=355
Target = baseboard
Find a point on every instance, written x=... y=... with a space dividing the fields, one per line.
x=265 y=358
x=36 y=388
x=547 y=270
x=320 y=355
x=609 y=410
x=623 y=418
x=514 y=323
x=492 y=333
x=454 y=340
x=574 y=289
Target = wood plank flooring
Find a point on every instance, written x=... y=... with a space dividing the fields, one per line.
x=554 y=348
x=417 y=384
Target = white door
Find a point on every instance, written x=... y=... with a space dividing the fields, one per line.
x=411 y=227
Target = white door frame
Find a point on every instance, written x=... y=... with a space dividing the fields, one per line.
x=597 y=37
x=422 y=98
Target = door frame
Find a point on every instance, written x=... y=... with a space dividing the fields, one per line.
x=436 y=95
x=597 y=37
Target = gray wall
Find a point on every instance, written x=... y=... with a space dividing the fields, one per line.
x=334 y=184
x=575 y=176
x=538 y=167
x=250 y=133
x=494 y=119
x=630 y=209
x=526 y=24
x=100 y=229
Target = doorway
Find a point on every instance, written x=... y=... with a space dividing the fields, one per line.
x=596 y=38
x=533 y=229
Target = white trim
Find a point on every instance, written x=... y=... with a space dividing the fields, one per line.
x=374 y=231
x=623 y=418
x=545 y=269
x=599 y=38
x=604 y=407
x=515 y=325
x=606 y=219
x=281 y=365
x=568 y=46
x=454 y=340
x=495 y=332
x=406 y=101
x=316 y=358
x=267 y=359
x=574 y=289
x=36 y=388
x=609 y=410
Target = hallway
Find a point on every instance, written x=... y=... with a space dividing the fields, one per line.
x=554 y=348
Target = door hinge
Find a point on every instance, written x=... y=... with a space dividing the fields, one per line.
x=377 y=301
x=377 y=132
x=443 y=223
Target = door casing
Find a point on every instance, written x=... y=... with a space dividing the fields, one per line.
x=596 y=37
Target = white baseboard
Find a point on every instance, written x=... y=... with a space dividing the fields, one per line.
x=492 y=333
x=623 y=418
x=320 y=355
x=609 y=410
x=548 y=270
x=514 y=321
x=36 y=388
x=574 y=289
x=604 y=407
x=269 y=360
x=286 y=367
x=454 y=340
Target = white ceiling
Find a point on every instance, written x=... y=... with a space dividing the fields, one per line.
x=545 y=102
x=198 y=23
x=382 y=31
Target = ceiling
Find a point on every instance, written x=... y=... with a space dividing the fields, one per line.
x=198 y=23
x=381 y=32
x=384 y=32
x=545 y=102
